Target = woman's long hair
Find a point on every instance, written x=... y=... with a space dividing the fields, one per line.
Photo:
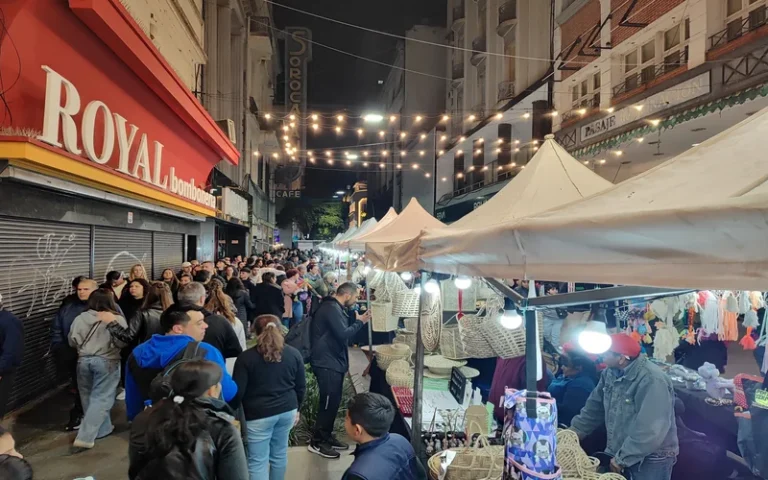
x=219 y=302
x=174 y=283
x=269 y=341
x=102 y=300
x=159 y=292
x=177 y=425
x=234 y=286
x=140 y=272
x=144 y=284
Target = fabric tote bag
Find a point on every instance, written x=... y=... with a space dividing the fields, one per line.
x=530 y=442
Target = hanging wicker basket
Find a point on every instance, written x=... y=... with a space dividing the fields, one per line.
x=451 y=297
x=405 y=303
x=473 y=341
x=431 y=321
x=410 y=323
x=508 y=343
x=406 y=338
x=399 y=374
x=484 y=290
x=382 y=319
x=451 y=345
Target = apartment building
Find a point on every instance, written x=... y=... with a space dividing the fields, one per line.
x=641 y=82
x=496 y=96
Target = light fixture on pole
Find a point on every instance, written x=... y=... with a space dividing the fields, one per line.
x=462 y=282
x=594 y=338
x=432 y=287
x=511 y=319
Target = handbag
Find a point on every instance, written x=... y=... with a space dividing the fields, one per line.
x=530 y=442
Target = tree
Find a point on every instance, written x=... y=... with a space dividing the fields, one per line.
x=298 y=211
x=322 y=221
x=330 y=220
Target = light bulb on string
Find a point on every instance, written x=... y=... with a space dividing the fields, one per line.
x=462 y=282
x=446 y=118
x=382 y=133
x=330 y=161
x=285 y=128
x=511 y=320
x=384 y=153
x=314 y=117
x=459 y=175
x=338 y=129
x=432 y=287
x=292 y=116
x=402 y=134
x=360 y=131
x=480 y=140
x=459 y=151
x=419 y=118
x=414 y=166
x=499 y=116
x=427 y=175
x=328 y=153
x=349 y=162
x=423 y=136
x=443 y=138
x=340 y=118
x=421 y=153
x=472 y=118
x=594 y=338
x=268 y=116
x=392 y=119
x=399 y=165
x=382 y=165
x=292 y=124
x=406 y=276
x=315 y=126
x=526 y=115
x=500 y=141
x=365 y=153
x=365 y=164
x=462 y=138
x=441 y=152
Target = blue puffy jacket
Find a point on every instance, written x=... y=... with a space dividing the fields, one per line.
x=158 y=352
x=390 y=457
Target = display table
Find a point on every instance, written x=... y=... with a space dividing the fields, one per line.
x=716 y=422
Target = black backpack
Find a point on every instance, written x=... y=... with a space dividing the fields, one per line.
x=155 y=383
x=300 y=338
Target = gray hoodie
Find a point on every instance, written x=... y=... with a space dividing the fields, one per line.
x=99 y=342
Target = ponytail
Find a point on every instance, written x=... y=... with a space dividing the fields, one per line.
x=269 y=340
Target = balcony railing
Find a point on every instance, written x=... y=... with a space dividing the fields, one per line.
x=479 y=112
x=507 y=11
x=458 y=13
x=458 y=71
x=580 y=109
x=737 y=28
x=259 y=26
x=671 y=62
x=478 y=44
x=506 y=91
x=481 y=176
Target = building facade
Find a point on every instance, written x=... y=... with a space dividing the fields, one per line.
x=497 y=97
x=105 y=155
x=642 y=82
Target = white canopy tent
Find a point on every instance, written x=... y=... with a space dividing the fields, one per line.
x=366 y=227
x=350 y=231
x=356 y=245
x=699 y=220
x=551 y=179
x=380 y=246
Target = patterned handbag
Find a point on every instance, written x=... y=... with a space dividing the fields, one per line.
x=530 y=442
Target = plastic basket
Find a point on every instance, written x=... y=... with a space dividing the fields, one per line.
x=382 y=319
x=405 y=303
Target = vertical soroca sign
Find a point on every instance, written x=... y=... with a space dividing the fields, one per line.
x=298 y=52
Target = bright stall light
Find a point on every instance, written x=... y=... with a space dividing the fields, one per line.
x=373 y=118
x=432 y=287
x=407 y=276
x=417 y=289
x=511 y=319
x=594 y=338
x=462 y=283
x=366 y=270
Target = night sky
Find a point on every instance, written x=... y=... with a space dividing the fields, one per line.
x=339 y=82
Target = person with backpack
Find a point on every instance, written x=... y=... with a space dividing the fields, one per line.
x=271 y=385
x=150 y=362
x=98 y=366
x=190 y=435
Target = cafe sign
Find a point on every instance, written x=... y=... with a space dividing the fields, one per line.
x=107 y=138
x=678 y=94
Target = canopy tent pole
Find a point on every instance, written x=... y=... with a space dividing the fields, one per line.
x=370 y=326
x=349 y=264
x=418 y=376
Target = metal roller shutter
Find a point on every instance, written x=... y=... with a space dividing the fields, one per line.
x=38 y=261
x=168 y=252
x=121 y=249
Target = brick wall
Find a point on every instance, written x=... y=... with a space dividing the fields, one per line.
x=580 y=24
x=644 y=11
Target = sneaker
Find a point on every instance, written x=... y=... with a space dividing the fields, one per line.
x=74 y=424
x=79 y=444
x=323 y=450
x=337 y=444
x=120 y=396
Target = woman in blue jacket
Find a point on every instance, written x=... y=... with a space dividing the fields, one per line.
x=572 y=387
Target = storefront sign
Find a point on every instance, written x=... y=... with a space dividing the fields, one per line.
x=675 y=95
x=288 y=193
x=113 y=129
x=234 y=205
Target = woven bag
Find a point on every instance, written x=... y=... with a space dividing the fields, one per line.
x=476 y=463
x=385 y=355
x=451 y=345
x=472 y=338
x=506 y=343
x=405 y=303
x=382 y=319
x=484 y=290
x=399 y=374
x=406 y=338
x=431 y=321
x=451 y=297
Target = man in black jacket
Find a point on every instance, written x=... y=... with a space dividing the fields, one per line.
x=330 y=334
x=11 y=353
x=269 y=297
x=219 y=333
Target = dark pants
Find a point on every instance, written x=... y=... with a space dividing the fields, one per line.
x=66 y=361
x=330 y=384
x=6 y=386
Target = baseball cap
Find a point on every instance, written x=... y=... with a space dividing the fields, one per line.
x=186 y=265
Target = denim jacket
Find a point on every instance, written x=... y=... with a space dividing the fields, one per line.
x=638 y=409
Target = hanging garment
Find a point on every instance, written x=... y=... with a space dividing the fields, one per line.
x=709 y=312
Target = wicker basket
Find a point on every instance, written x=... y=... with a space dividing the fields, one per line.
x=406 y=338
x=451 y=345
x=573 y=461
x=474 y=463
x=484 y=291
x=399 y=374
x=431 y=321
x=440 y=365
x=391 y=283
x=385 y=355
x=382 y=319
x=451 y=297
x=405 y=303
x=410 y=323
x=507 y=343
x=472 y=338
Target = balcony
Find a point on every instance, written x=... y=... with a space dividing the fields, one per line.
x=457 y=74
x=479 y=111
x=506 y=91
x=738 y=28
x=478 y=48
x=507 y=16
x=481 y=176
x=259 y=26
x=458 y=16
x=652 y=73
x=580 y=110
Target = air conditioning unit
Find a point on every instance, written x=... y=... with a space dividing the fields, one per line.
x=228 y=126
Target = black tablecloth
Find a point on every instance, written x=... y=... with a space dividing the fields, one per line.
x=716 y=422
x=379 y=385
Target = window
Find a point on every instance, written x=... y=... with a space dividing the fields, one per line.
x=743 y=16
x=675 y=46
x=586 y=93
x=567 y=3
x=639 y=66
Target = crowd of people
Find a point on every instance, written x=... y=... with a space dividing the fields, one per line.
x=200 y=402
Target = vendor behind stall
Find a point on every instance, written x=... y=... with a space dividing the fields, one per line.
x=576 y=381
x=635 y=400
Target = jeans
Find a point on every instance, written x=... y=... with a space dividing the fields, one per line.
x=552 y=328
x=298 y=311
x=268 y=446
x=653 y=467
x=329 y=384
x=97 y=380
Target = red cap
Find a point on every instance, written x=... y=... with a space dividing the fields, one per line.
x=623 y=344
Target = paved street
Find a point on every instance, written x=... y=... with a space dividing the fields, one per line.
x=43 y=442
